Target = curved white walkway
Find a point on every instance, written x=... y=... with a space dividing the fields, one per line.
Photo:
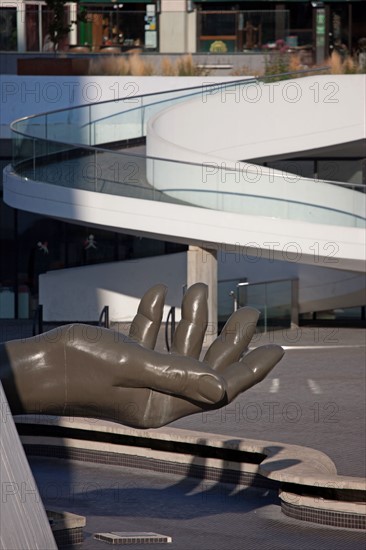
x=251 y=208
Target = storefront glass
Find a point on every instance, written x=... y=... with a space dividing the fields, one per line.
x=8 y=29
x=115 y=26
x=242 y=31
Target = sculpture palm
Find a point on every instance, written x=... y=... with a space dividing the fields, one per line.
x=68 y=371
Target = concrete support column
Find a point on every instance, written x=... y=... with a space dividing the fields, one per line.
x=202 y=268
x=177 y=27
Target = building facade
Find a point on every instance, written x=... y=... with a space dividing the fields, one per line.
x=195 y=26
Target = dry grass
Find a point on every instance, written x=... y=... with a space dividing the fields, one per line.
x=138 y=67
x=335 y=63
x=134 y=65
x=347 y=65
x=244 y=70
x=168 y=68
x=121 y=66
x=295 y=63
x=187 y=67
x=110 y=66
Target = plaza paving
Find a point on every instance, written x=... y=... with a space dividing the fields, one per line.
x=198 y=515
x=314 y=397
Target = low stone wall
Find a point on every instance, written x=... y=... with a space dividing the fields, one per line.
x=215 y=65
x=307 y=481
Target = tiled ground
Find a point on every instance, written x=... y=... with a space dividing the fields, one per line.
x=198 y=515
x=314 y=397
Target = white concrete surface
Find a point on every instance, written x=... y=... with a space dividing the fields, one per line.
x=23 y=520
x=268 y=230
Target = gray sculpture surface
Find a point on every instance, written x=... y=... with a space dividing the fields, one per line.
x=83 y=371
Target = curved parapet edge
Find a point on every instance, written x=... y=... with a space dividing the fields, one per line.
x=260 y=236
x=306 y=478
x=218 y=142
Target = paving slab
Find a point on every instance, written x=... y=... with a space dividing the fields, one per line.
x=197 y=514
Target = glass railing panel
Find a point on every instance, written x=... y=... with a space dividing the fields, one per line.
x=278 y=303
x=226 y=300
x=207 y=185
x=70 y=126
x=22 y=150
x=116 y=121
x=273 y=300
x=121 y=175
x=61 y=164
x=260 y=191
x=126 y=117
x=34 y=126
x=175 y=183
x=54 y=163
x=253 y=295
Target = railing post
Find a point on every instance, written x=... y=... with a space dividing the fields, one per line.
x=95 y=171
x=34 y=157
x=90 y=140
x=38 y=321
x=105 y=314
x=142 y=110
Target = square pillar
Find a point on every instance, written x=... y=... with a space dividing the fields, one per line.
x=202 y=268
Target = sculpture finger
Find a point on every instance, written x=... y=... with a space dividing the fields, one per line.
x=233 y=340
x=146 y=323
x=252 y=369
x=190 y=332
x=171 y=374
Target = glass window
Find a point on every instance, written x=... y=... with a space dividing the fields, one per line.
x=216 y=23
x=40 y=248
x=117 y=27
x=32 y=27
x=301 y=22
x=8 y=29
x=229 y=31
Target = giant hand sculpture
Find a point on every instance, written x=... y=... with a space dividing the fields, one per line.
x=99 y=373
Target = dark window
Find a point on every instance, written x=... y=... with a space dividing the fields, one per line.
x=8 y=29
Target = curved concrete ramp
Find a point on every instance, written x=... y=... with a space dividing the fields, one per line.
x=192 y=186
x=298 y=241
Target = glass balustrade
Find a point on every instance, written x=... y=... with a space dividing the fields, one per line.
x=275 y=300
x=65 y=148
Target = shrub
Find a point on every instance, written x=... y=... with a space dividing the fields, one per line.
x=134 y=65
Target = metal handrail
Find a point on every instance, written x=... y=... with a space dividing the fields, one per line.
x=140 y=96
x=98 y=149
x=104 y=318
x=246 y=80
x=37 y=325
